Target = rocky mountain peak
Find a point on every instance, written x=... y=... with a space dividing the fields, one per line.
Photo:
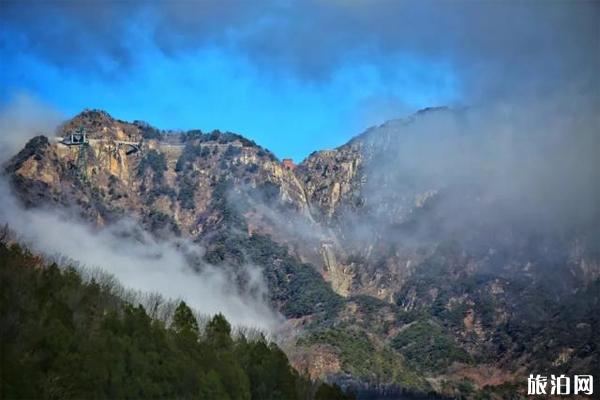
x=355 y=254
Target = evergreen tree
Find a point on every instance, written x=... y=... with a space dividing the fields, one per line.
x=218 y=332
x=184 y=320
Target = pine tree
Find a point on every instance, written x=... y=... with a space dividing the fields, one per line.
x=218 y=332
x=184 y=320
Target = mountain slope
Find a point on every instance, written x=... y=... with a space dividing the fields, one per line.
x=63 y=337
x=394 y=277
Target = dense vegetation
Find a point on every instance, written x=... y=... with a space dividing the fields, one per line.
x=63 y=337
x=362 y=359
x=216 y=136
x=425 y=344
x=527 y=319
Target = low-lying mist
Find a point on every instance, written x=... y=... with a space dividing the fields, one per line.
x=171 y=268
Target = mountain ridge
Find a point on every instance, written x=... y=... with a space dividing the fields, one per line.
x=355 y=255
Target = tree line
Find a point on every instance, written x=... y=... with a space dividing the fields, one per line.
x=63 y=336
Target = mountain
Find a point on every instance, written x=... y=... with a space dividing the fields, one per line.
x=398 y=272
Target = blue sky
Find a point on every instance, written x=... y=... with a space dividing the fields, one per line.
x=216 y=85
x=213 y=88
x=295 y=76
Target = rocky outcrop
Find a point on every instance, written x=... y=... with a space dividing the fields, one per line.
x=131 y=168
x=331 y=178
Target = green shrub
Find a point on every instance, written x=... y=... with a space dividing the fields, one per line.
x=426 y=344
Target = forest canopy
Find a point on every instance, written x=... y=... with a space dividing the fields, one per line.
x=65 y=337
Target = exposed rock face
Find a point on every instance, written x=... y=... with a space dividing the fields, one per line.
x=404 y=282
x=340 y=276
x=171 y=173
x=331 y=177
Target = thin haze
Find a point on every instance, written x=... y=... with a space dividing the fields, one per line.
x=530 y=167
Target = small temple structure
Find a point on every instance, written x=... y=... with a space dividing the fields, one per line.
x=288 y=164
x=76 y=138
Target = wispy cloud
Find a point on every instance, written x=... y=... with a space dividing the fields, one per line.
x=22 y=118
x=142 y=263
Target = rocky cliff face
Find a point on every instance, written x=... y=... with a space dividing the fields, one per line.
x=126 y=168
x=358 y=255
